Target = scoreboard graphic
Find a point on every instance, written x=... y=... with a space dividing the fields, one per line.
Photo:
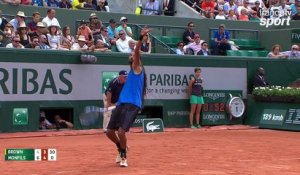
x=29 y=154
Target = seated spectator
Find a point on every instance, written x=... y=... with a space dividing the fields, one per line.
x=85 y=31
x=297 y=15
x=60 y=123
x=254 y=17
x=20 y=18
x=80 y=44
x=26 y=2
x=23 y=33
x=219 y=4
x=104 y=37
x=208 y=7
x=257 y=8
x=40 y=28
x=131 y=44
x=39 y=3
x=180 y=50
x=293 y=53
x=112 y=32
x=124 y=27
x=53 y=3
x=275 y=53
x=204 y=49
x=246 y=7
x=294 y=7
x=243 y=16
x=221 y=38
x=230 y=5
x=169 y=7
x=88 y=5
x=102 y=6
x=36 y=16
x=188 y=34
x=260 y=79
x=34 y=43
x=95 y=25
x=7 y=35
x=194 y=47
x=64 y=4
x=50 y=18
x=15 y=43
x=146 y=44
x=221 y=14
x=67 y=40
x=44 y=123
x=231 y=16
x=43 y=42
x=122 y=42
x=53 y=36
x=12 y=2
x=3 y=21
x=100 y=47
x=151 y=7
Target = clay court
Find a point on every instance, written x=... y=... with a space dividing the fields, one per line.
x=223 y=150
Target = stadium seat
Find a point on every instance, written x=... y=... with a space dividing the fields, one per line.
x=247 y=53
x=171 y=41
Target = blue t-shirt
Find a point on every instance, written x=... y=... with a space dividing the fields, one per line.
x=219 y=36
x=132 y=91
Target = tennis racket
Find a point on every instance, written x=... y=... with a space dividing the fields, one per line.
x=91 y=115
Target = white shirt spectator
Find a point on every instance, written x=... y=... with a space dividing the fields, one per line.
x=49 y=21
x=123 y=45
x=10 y=45
x=76 y=46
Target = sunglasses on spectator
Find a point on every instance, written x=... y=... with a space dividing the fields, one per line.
x=121 y=33
x=94 y=18
x=125 y=20
x=295 y=48
x=105 y=31
x=181 y=45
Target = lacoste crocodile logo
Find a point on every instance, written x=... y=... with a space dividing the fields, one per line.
x=151 y=127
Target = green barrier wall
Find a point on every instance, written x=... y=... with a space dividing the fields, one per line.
x=166 y=70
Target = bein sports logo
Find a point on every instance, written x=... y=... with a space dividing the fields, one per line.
x=276 y=16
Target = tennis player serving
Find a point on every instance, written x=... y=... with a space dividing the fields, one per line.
x=129 y=103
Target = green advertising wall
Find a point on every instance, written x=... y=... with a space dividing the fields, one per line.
x=163 y=71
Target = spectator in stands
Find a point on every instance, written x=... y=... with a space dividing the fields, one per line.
x=104 y=37
x=53 y=3
x=88 y=5
x=297 y=16
x=44 y=123
x=246 y=8
x=208 y=7
x=34 y=43
x=7 y=35
x=78 y=4
x=260 y=79
x=124 y=27
x=151 y=7
x=65 y=4
x=39 y=3
x=188 y=34
x=221 y=38
x=112 y=32
x=131 y=44
x=12 y=2
x=169 y=7
x=43 y=42
x=40 y=27
x=219 y=5
x=122 y=42
x=80 y=44
x=26 y=2
x=20 y=18
x=50 y=18
x=53 y=36
x=15 y=43
x=95 y=25
x=275 y=53
x=100 y=47
x=23 y=33
x=194 y=47
x=220 y=14
x=283 y=8
x=231 y=16
x=36 y=16
x=60 y=123
x=243 y=16
x=230 y=5
x=257 y=9
x=146 y=44
x=293 y=53
x=102 y=6
x=84 y=30
x=3 y=21
x=254 y=17
x=204 y=49
x=180 y=50
x=294 y=7
x=67 y=40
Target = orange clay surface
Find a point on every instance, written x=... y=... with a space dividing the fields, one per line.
x=222 y=150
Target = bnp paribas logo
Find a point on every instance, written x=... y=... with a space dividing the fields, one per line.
x=106 y=78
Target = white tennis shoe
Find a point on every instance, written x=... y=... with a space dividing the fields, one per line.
x=118 y=158
x=123 y=162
